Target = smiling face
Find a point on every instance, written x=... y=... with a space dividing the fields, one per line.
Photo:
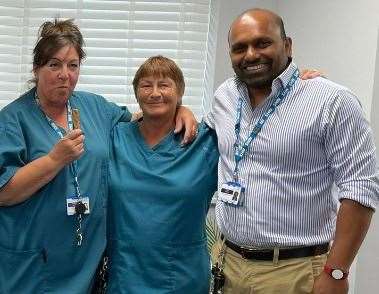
x=56 y=80
x=158 y=97
x=159 y=86
x=258 y=51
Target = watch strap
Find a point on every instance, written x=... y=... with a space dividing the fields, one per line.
x=336 y=273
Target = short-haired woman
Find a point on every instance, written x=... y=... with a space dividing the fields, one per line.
x=159 y=192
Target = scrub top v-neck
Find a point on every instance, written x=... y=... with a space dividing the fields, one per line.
x=159 y=198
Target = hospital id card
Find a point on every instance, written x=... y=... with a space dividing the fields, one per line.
x=231 y=192
x=71 y=204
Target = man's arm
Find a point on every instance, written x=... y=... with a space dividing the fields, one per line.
x=351 y=154
x=353 y=221
x=186 y=119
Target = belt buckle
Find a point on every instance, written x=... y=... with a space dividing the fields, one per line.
x=257 y=251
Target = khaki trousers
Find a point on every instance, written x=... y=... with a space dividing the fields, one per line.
x=290 y=276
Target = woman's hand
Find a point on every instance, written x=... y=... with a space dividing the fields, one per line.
x=68 y=149
x=307 y=74
x=184 y=117
x=136 y=115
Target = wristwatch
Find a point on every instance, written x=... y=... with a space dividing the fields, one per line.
x=336 y=273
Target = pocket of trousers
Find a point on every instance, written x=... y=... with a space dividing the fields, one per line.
x=318 y=263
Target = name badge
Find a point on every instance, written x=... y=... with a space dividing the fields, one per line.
x=231 y=192
x=71 y=204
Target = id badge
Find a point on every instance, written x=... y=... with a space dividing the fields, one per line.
x=73 y=200
x=231 y=192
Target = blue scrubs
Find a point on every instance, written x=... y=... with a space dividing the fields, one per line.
x=38 y=252
x=159 y=198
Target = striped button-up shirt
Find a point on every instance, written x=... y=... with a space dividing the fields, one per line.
x=317 y=138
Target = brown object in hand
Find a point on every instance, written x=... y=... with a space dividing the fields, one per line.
x=76 y=118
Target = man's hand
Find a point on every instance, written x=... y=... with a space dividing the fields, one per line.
x=184 y=117
x=325 y=284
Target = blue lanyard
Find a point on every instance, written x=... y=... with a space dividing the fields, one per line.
x=240 y=150
x=74 y=164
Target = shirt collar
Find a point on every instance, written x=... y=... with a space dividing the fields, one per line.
x=285 y=76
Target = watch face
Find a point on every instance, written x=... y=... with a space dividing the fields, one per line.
x=337 y=274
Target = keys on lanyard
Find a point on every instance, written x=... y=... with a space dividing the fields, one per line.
x=80 y=208
x=218 y=281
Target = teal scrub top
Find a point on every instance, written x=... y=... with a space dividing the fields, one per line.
x=158 y=202
x=38 y=252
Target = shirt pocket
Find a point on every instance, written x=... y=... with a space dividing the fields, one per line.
x=22 y=271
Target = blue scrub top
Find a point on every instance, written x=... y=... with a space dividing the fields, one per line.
x=37 y=238
x=159 y=199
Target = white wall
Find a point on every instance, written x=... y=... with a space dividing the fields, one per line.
x=341 y=38
x=338 y=37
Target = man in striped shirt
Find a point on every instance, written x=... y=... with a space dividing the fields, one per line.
x=284 y=143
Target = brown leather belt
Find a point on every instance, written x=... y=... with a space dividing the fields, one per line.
x=287 y=253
